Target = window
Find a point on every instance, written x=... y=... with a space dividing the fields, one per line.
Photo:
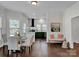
x=38 y=27
x=24 y=28
x=44 y=27
x=14 y=26
x=41 y=27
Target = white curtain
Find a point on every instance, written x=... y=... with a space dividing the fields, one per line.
x=1 y=40
x=0 y=28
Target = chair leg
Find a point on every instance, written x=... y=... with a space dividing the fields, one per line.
x=8 y=53
x=18 y=53
x=11 y=52
x=29 y=49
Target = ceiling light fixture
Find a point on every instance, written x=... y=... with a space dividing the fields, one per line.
x=34 y=3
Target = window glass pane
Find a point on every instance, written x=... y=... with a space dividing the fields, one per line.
x=12 y=31
x=14 y=26
x=38 y=27
x=44 y=27
x=24 y=28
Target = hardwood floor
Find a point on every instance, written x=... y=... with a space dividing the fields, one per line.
x=41 y=49
x=1 y=52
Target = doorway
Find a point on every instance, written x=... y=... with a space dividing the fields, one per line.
x=41 y=29
x=75 y=29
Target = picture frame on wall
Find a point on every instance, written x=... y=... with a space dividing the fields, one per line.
x=55 y=27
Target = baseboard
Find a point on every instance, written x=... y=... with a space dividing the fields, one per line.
x=76 y=42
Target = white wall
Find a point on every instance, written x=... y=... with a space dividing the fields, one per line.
x=75 y=29
x=17 y=16
x=71 y=12
x=54 y=18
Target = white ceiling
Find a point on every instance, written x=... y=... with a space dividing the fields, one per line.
x=43 y=8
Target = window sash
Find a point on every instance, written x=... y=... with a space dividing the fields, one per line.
x=13 y=31
x=14 y=24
